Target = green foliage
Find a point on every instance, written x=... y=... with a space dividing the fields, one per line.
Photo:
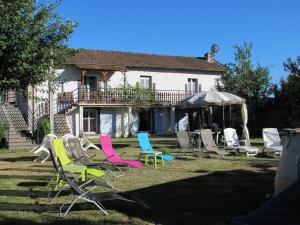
x=3 y=128
x=45 y=127
x=138 y=96
x=287 y=96
x=247 y=81
x=32 y=41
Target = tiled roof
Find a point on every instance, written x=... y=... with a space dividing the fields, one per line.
x=141 y=60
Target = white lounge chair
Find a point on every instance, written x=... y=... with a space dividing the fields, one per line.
x=272 y=141
x=43 y=148
x=87 y=144
x=233 y=142
x=66 y=138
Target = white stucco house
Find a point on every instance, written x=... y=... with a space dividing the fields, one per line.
x=91 y=93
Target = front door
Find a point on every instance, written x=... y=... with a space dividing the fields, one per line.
x=89 y=121
x=159 y=119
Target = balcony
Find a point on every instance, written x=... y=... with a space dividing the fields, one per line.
x=120 y=96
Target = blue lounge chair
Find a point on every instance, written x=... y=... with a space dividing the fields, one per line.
x=146 y=146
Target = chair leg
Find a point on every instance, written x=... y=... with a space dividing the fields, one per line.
x=146 y=159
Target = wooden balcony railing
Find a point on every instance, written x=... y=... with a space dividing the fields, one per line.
x=121 y=96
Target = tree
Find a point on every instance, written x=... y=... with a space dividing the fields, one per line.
x=247 y=81
x=288 y=95
x=32 y=41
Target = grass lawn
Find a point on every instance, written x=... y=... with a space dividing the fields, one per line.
x=190 y=191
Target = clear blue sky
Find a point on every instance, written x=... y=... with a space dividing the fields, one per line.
x=189 y=27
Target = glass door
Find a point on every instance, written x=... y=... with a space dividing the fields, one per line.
x=90 y=85
x=192 y=86
x=89 y=121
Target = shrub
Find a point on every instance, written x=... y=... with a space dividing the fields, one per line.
x=45 y=127
x=3 y=128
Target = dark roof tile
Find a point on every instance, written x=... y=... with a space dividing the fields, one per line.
x=141 y=60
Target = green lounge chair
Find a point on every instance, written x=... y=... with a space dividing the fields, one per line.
x=69 y=166
x=83 y=190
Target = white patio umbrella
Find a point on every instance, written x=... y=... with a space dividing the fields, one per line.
x=215 y=98
x=210 y=98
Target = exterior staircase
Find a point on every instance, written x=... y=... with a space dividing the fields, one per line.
x=19 y=133
x=60 y=125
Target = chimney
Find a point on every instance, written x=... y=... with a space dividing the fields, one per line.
x=209 y=56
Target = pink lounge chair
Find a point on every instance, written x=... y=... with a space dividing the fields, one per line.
x=112 y=156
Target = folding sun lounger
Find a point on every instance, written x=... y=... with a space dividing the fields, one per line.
x=185 y=145
x=233 y=142
x=81 y=157
x=69 y=166
x=83 y=190
x=113 y=157
x=209 y=143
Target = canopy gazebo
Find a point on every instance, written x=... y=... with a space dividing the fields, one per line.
x=217 y=98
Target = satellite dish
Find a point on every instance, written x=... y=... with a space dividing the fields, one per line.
x=214 y=48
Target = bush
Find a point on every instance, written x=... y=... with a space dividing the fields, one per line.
x=45 y=127
x=3 y=128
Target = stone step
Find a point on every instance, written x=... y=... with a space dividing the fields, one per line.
x=19 y=133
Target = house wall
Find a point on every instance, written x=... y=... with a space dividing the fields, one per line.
x=126 y=121
x=161 y=78
x=178 y=79
x=125 y=118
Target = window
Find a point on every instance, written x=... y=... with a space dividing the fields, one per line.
x=192 y=86
x=145 y=82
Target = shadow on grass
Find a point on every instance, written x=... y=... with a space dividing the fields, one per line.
x=214 y=198
x=32 y=184
x=28 y=169
x=19 y=159
x=120 y=145
x=23 y=177
x=57 y=221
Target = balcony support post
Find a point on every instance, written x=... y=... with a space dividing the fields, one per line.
x=80 y=119
x=82 y=73
x=173 y=120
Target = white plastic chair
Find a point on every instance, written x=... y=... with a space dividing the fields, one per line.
x=87 y=144
x=233 y=142
x=272 y=141
x=43 y=148
x=65 y=138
